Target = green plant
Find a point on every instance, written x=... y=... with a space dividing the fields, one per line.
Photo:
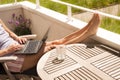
x=111 y=25
x=21 y=24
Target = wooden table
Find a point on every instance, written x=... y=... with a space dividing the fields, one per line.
x=82 y=62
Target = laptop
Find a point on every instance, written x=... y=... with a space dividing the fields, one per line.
x=33 y=46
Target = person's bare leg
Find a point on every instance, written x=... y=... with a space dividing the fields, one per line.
x=80 y=35
x=91 y=30
x=75 y=34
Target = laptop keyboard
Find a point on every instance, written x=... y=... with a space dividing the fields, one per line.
x=32 y=46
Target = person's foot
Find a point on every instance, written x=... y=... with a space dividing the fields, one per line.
x=93 y=27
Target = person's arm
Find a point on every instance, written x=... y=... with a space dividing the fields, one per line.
x=12 y=34
x=12 y=48
x=3 y=52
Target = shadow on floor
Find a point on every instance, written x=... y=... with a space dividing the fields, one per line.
x=30 y=74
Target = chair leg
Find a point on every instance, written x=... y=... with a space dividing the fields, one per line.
x=11 y=77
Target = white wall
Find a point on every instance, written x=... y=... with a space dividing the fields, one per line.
x=41 y=22
x=6 y=14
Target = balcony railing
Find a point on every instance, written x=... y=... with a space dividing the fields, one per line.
x=69 y=7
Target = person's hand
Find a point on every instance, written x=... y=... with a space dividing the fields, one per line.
x=21 y=40
x=14 y=47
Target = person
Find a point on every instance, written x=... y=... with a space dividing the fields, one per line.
x=10 y=42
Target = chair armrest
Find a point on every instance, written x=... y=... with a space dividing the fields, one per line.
x=32 y=36
x=8 y=58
